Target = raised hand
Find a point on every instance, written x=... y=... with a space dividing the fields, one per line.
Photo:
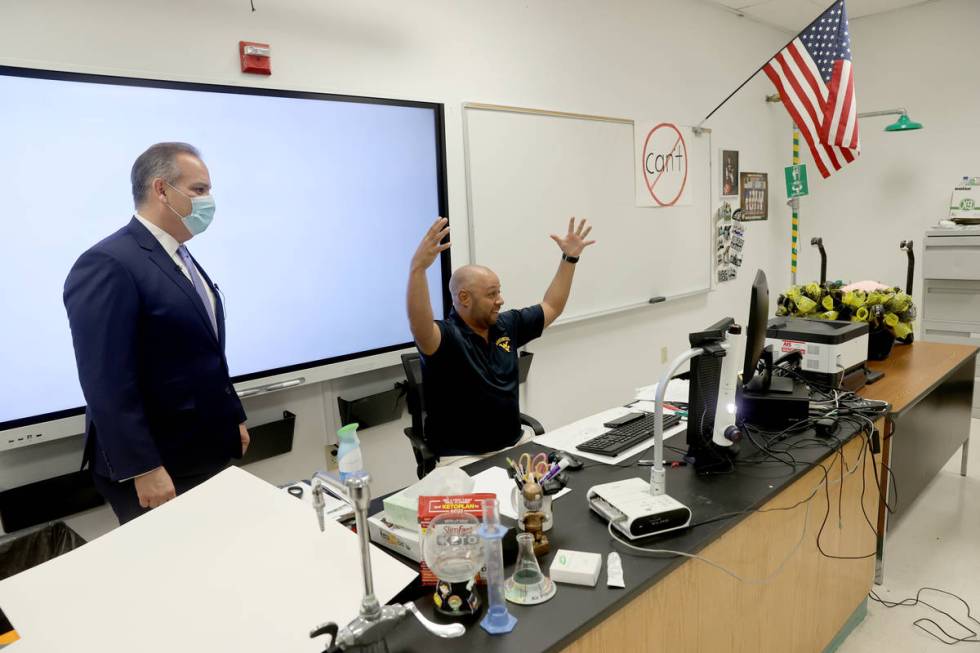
x=431 y=245
x=575 y=240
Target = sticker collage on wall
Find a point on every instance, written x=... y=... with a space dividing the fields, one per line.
x=730 y=241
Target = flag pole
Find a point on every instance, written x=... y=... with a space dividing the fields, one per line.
x=749 y=79
x=795 y=202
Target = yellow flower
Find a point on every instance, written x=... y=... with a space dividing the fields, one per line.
x=828 y=302
x=861 y=315
x=891 y=320
x=829 y=315
x=813 y=290
x=899 y=303
x=805 y=305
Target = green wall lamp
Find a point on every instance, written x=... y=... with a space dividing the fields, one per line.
x=903 y=124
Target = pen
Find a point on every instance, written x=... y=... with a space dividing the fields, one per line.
x=551 y=472
x=558 y=468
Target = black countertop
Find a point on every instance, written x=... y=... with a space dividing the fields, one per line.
x=576 y=609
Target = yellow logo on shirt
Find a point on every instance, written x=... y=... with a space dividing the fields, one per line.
x=504 y=343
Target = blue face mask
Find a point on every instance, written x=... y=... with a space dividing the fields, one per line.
x=201 y=215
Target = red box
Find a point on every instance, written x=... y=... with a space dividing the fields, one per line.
x=430 y=507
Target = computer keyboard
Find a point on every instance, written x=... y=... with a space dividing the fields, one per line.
x=612 y=443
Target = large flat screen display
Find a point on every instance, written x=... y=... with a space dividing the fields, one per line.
x=321 y=202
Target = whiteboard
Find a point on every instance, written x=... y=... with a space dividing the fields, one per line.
x=528 y=171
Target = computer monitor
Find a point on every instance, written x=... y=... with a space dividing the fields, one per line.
x=755 y=343
x=755 y=334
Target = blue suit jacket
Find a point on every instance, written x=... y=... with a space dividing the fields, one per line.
x=153 y=371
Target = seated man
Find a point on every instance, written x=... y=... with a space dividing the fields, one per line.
x=469 y=361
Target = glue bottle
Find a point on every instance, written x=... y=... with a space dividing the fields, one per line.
x=349 y=458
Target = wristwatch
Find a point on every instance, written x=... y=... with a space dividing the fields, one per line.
x=570 y=259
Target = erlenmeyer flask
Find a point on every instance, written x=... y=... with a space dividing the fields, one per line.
x=528 y=585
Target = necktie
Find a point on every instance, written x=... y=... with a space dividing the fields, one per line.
x=185 y=256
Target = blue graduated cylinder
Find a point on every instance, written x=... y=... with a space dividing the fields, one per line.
x=498 y=619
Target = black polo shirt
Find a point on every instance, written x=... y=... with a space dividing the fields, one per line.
x=471 y=384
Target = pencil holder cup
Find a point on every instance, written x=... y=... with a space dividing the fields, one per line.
x=517 y=501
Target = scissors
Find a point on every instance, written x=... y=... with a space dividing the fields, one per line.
x=537 y=465
x=524 y=467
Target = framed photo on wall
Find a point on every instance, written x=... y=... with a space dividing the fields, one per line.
x=729 y=173
x=753 y=192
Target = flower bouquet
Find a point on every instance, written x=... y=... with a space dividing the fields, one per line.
x=889 y=311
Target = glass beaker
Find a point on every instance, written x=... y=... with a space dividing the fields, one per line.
x=528 y=585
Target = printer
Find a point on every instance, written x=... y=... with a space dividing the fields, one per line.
x=834 y=352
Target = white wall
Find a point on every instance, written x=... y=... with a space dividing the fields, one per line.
x=631 y=58
x=919 y=58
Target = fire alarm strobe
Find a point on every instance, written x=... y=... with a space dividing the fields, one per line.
x=256 y=57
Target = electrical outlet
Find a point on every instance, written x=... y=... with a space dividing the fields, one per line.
x=663 y=354
x=331 y=451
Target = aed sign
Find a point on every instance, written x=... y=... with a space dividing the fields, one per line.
x=662 y=165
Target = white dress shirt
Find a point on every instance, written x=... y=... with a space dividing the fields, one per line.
x=170 y=245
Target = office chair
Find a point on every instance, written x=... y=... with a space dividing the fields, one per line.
x=425 y=457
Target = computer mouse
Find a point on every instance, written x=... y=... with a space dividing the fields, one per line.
x=573 y=462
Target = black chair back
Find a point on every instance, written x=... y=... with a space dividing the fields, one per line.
x=425 y=459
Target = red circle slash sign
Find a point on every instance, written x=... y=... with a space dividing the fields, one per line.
x=673 y=160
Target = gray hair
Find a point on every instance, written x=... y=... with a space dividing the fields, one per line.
x=159 y=160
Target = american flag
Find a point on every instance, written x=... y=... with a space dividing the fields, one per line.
x=814 y=78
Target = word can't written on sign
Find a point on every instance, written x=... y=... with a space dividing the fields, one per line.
x=796 y=185
x=663 y=166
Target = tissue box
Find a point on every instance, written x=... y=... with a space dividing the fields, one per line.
x=404 y=541
x=402 y=509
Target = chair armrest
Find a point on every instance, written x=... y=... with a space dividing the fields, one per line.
x=535 y=425
x=418 y=444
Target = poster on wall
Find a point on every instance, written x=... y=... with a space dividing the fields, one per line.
x=662 y=164
x=729 y=173
x=753 y=191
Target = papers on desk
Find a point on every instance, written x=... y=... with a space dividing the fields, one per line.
x=233 y=565
x=496 y=480
x=677 y=390
x=566 y=437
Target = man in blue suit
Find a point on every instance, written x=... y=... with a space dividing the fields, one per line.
x=149 y=336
